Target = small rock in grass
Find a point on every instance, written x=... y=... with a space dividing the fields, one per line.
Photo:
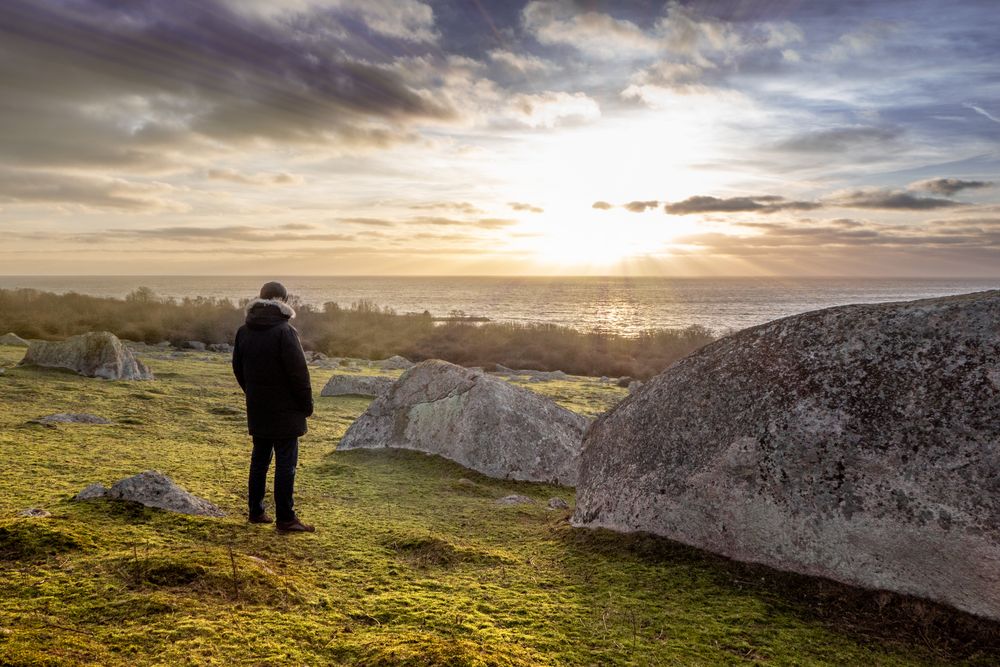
x=515 y=499
x=195 y=345
x=71 y=418
x=465 y=481
x=558 y=504
x=91 y=491
x=34 y=513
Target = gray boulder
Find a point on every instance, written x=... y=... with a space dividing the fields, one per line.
x=154 y=489
x=195 y=345
x=220 y=347
x=96 y=354
x=91 y=491
x=395 y=363
x=13 y=339
x=476 y=420
x=515 y=499
x=859 y=443
x=71 y=418
x=357 y=385
x=34 y=513
x=558 y=504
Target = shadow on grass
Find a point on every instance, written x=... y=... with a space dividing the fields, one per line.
x=878 y=616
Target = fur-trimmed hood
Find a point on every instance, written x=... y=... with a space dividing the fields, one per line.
x=267 y=313
x=285 y=309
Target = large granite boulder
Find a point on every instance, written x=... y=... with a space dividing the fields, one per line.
x=357 y=385
x=859 y=443
x=95 y=354
x=13 y=339
x=153 y=489
x=476 y=420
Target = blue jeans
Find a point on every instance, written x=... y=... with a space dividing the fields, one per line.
x=286 y=451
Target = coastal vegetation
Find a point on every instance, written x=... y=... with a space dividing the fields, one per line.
x=362 y=329
x=414 y=563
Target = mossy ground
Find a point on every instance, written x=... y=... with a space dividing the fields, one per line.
x=409 y=566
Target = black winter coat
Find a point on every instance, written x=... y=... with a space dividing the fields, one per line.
x=269 y=365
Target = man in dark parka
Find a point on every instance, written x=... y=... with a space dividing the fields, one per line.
x=271 y=369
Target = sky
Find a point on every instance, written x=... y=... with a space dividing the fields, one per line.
x=478 y=137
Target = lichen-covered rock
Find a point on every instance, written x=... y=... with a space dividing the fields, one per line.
x=34 y=513
x=859 y=443
x=154 y=489
x=395 y=363
x=13 y=339
x=95 y=354
x=476 y=420
x=357 y=385
x=558 y=504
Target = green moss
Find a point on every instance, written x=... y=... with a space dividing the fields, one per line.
x=33 y=539
x=413 y=562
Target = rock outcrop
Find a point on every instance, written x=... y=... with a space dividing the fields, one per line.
x=95 y=354
x=859 y=443
x=476 y=420
x=13 y=339
x=357 y=385
x=153 y=489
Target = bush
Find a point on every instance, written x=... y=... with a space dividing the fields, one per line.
x=363 y=329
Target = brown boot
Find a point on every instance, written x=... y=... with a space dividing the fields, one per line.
x=294 y=526
x=264 y=517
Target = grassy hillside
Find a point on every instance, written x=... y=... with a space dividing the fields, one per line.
x=413 y=564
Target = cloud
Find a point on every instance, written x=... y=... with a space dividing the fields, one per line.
x=700 y=38
x=405 y=19
x=600 y=36
x=641 y=206
x=261 y=178
x=859 y=42
x=549 y=109
x=840 y=139
x=982 y=112
x=368 y=222
x=886 y=199
x=482 y=223
x=19 y=186
x=843 y=235
x=530 y=208
x=459 y=206
x=101 y=83
x=601 y=205
x=198 y=234
x=947 y=186
x=758 y=204
x=438 y=221
x=521 y=63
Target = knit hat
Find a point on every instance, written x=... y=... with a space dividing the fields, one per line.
x=273 y=290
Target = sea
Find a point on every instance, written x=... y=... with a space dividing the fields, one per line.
x=626 y=305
